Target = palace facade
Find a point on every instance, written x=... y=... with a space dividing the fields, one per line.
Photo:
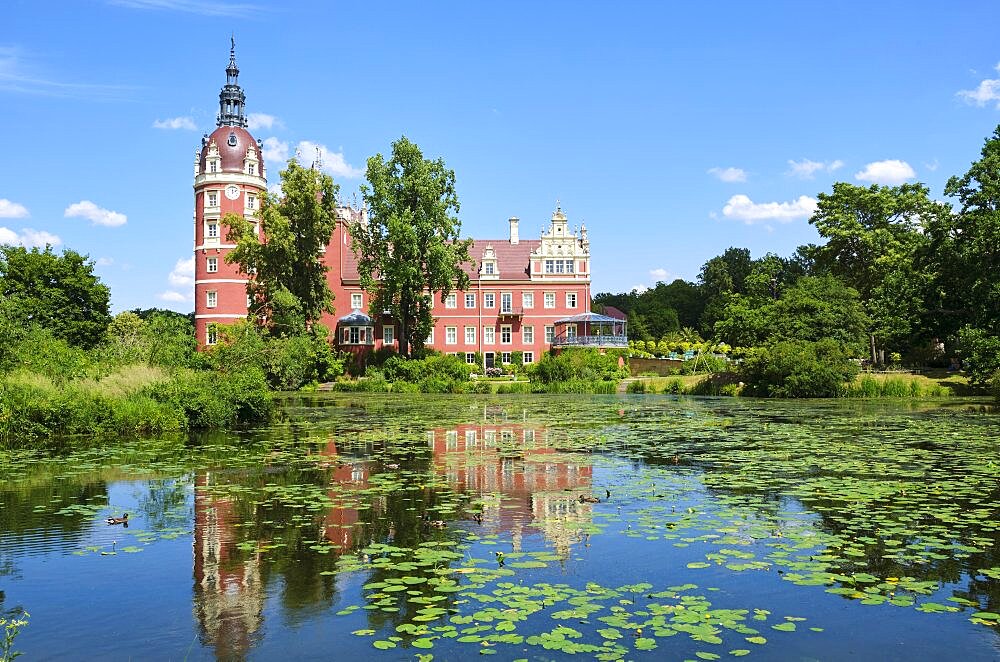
x=525 y=295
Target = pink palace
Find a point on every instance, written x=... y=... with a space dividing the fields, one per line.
x=526 y=295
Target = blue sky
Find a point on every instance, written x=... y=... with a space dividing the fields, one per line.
x=672 y=130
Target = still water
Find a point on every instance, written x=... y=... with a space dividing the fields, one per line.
x=536 y=527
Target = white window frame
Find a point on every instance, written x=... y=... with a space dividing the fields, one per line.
x=470 y=300
x=489 y=335
x=528 y=335
x=470 y=335
x=508 y=331
x=357 y=300
x=506 y=302
x=451 y=335
x=388 y=334
x=528 y=300
x=571 y=296
x=550 y=334
x=489 y=300
x=451 y=300
x=489 y=268
x=212 y=265
x=470 y=357
x=527 y=357
x=211 y=334
x=212 y=230
x=430 y=338
x=550 y=299
x=212 y=199
x=505 y=358
x=212 y=299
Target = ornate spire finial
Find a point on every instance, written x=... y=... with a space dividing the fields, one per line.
x=231 y=98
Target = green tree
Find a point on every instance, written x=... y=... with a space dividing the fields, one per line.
x=56 y=292
x=967 y=245
x=875 y=237
x=813 y=309
x=410 y=246
x=288 y=291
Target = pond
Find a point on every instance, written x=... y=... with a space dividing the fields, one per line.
x=534 y=527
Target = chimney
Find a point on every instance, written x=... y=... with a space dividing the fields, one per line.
x=513 y=229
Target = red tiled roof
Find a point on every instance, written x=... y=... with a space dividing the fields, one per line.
x=512 y=259
x=611 y=311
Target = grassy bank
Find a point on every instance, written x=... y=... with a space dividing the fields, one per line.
x=933 y=384
x=131 y=400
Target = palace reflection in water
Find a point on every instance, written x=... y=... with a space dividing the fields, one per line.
x=513 y=472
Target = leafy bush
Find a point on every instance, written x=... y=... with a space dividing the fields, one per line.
x=705 y=363
x=980 y=354
x=579 y=363
x=636 y=387
x=797 y=369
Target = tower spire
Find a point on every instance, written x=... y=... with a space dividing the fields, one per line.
x=232 y=100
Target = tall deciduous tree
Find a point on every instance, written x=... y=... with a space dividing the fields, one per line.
x=875 y=236
x=287 y=288
x=410 y=245
x=969 y=243
x=56 y=292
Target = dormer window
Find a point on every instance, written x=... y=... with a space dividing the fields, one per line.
x=213 y=166
x=251 y=168
x=489 y=268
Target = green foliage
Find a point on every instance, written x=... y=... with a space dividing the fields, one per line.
x=966 y=247
x=580 y=364
x=161 y=338
x=56 y=292
x=410 y=244
x=893 y=387
x=797 y=369
x=704 y=363
x=876 y=237
x=980 y=354
x=288 y=291
x=39 y=350
x=211 y=399
x=287 y=362
x=439 y=369
x=812 y=309
x=11 y=628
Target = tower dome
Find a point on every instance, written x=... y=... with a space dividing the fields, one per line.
x=228 y=148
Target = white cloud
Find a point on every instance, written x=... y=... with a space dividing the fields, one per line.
x=742 y=208
x=639 y=289
x=806 y=169
x=104 y=262
x=176 y=297
x=10 y=209
x=28 y=238
x=176 y=123
x=19 y=74
x=182 y=274
x=333 y=162
x=729 y=174
x=275 y=152
x=988 y=90
x=262 y=121
x=888 y=173
x=96 y=215
x=203 y=7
